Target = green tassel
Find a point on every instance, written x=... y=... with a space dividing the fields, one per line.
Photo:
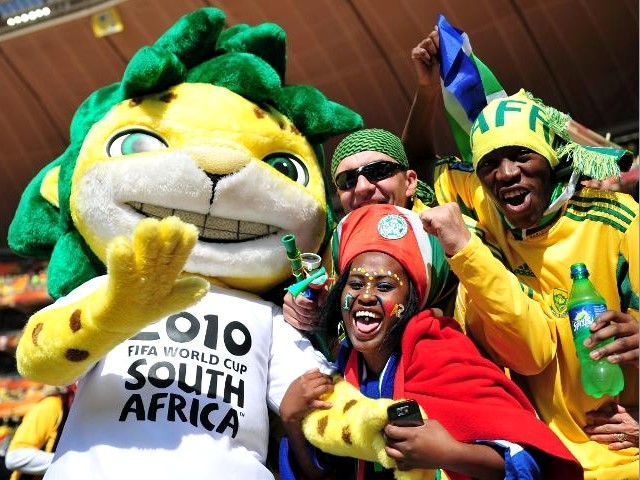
x=596 y=163
x=556 y=119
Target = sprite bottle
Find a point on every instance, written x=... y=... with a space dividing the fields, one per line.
x=599 y=377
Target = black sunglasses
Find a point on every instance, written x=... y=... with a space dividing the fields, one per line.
x=374 y=172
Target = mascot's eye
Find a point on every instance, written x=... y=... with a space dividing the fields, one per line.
x=134 y=141
x=290 y=166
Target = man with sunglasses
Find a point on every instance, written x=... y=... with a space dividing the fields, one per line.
x=368 y=166
x=371 y=166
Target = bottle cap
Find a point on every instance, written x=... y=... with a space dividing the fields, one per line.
x=579 y=269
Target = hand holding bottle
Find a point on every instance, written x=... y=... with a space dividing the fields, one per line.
x=599 y=377
x=621 y=326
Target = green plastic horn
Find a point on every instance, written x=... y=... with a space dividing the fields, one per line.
x=293 y=254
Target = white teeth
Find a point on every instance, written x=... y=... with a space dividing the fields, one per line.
x=210 y=228
x=514 y=193
x=364 y=313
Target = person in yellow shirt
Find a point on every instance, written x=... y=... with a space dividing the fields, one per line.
x=532 y=221
x=33 y=444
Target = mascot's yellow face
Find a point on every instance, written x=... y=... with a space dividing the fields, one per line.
x=242 y=174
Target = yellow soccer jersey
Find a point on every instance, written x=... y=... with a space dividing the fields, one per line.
x=39 y=427
x=519 y=314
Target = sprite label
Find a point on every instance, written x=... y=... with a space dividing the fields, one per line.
x=584 y=315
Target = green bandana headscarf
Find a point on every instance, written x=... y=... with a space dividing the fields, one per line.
x=369 y=140
x=383 y=141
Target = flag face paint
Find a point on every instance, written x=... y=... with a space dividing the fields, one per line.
x=396 y=311
x=388 y=308
x=348 y=301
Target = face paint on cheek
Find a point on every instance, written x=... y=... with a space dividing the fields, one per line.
x=390 y=308
x=398 y=310
x=393 y=309
x=348 y=301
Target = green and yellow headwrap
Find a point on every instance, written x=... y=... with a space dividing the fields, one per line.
x=523 y=120
x=369 y=140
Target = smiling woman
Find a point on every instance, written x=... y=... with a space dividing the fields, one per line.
x=388 y=266
x=374 y=305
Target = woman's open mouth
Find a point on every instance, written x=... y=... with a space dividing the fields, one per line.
x=366 y=323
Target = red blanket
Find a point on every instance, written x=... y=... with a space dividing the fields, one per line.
x=470 y=396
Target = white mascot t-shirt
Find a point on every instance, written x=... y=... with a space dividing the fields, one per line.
x=187 y=397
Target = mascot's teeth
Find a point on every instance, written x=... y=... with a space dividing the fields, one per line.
x=212 y=229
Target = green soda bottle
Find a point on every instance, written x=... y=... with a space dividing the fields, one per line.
x=599 y=377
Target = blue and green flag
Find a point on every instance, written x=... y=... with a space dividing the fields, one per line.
x=467 y=84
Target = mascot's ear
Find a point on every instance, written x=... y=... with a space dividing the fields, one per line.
x=39 y=230
x=49 y=186
x=37 y=226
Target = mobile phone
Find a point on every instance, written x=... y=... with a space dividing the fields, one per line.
x=405 y=414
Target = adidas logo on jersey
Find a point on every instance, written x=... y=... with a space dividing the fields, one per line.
x=524 y=270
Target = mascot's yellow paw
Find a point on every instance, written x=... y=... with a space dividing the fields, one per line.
x=143 y=285
x=144 y=273
x=352 y=427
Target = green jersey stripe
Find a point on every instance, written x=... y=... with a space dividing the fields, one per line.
x=591 y=200
x=609 y=211
x=596 y=218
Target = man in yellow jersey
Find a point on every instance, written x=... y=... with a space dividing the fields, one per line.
x=532 y=221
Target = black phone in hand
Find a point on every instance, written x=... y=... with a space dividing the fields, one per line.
x=405 y=414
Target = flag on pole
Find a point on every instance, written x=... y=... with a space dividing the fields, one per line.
x=467 y=84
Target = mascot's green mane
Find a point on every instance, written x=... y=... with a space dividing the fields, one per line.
x=249 y=61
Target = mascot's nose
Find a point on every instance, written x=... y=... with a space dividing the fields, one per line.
x=214 y=181
x=218 y=161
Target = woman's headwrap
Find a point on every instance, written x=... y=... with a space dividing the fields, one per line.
x=383 y=141
x=398 y=232
x=524 y=121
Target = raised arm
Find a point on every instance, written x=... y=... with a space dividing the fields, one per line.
x=512 y=327
x=418 y=136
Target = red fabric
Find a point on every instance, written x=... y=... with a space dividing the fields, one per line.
x=470 y=396
x=359 y=233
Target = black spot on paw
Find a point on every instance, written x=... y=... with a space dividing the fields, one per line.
x=35 y=333
x=348 y=405
x=75 y=321
x=346 y=435
x=74 y=355
x=322 y=425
